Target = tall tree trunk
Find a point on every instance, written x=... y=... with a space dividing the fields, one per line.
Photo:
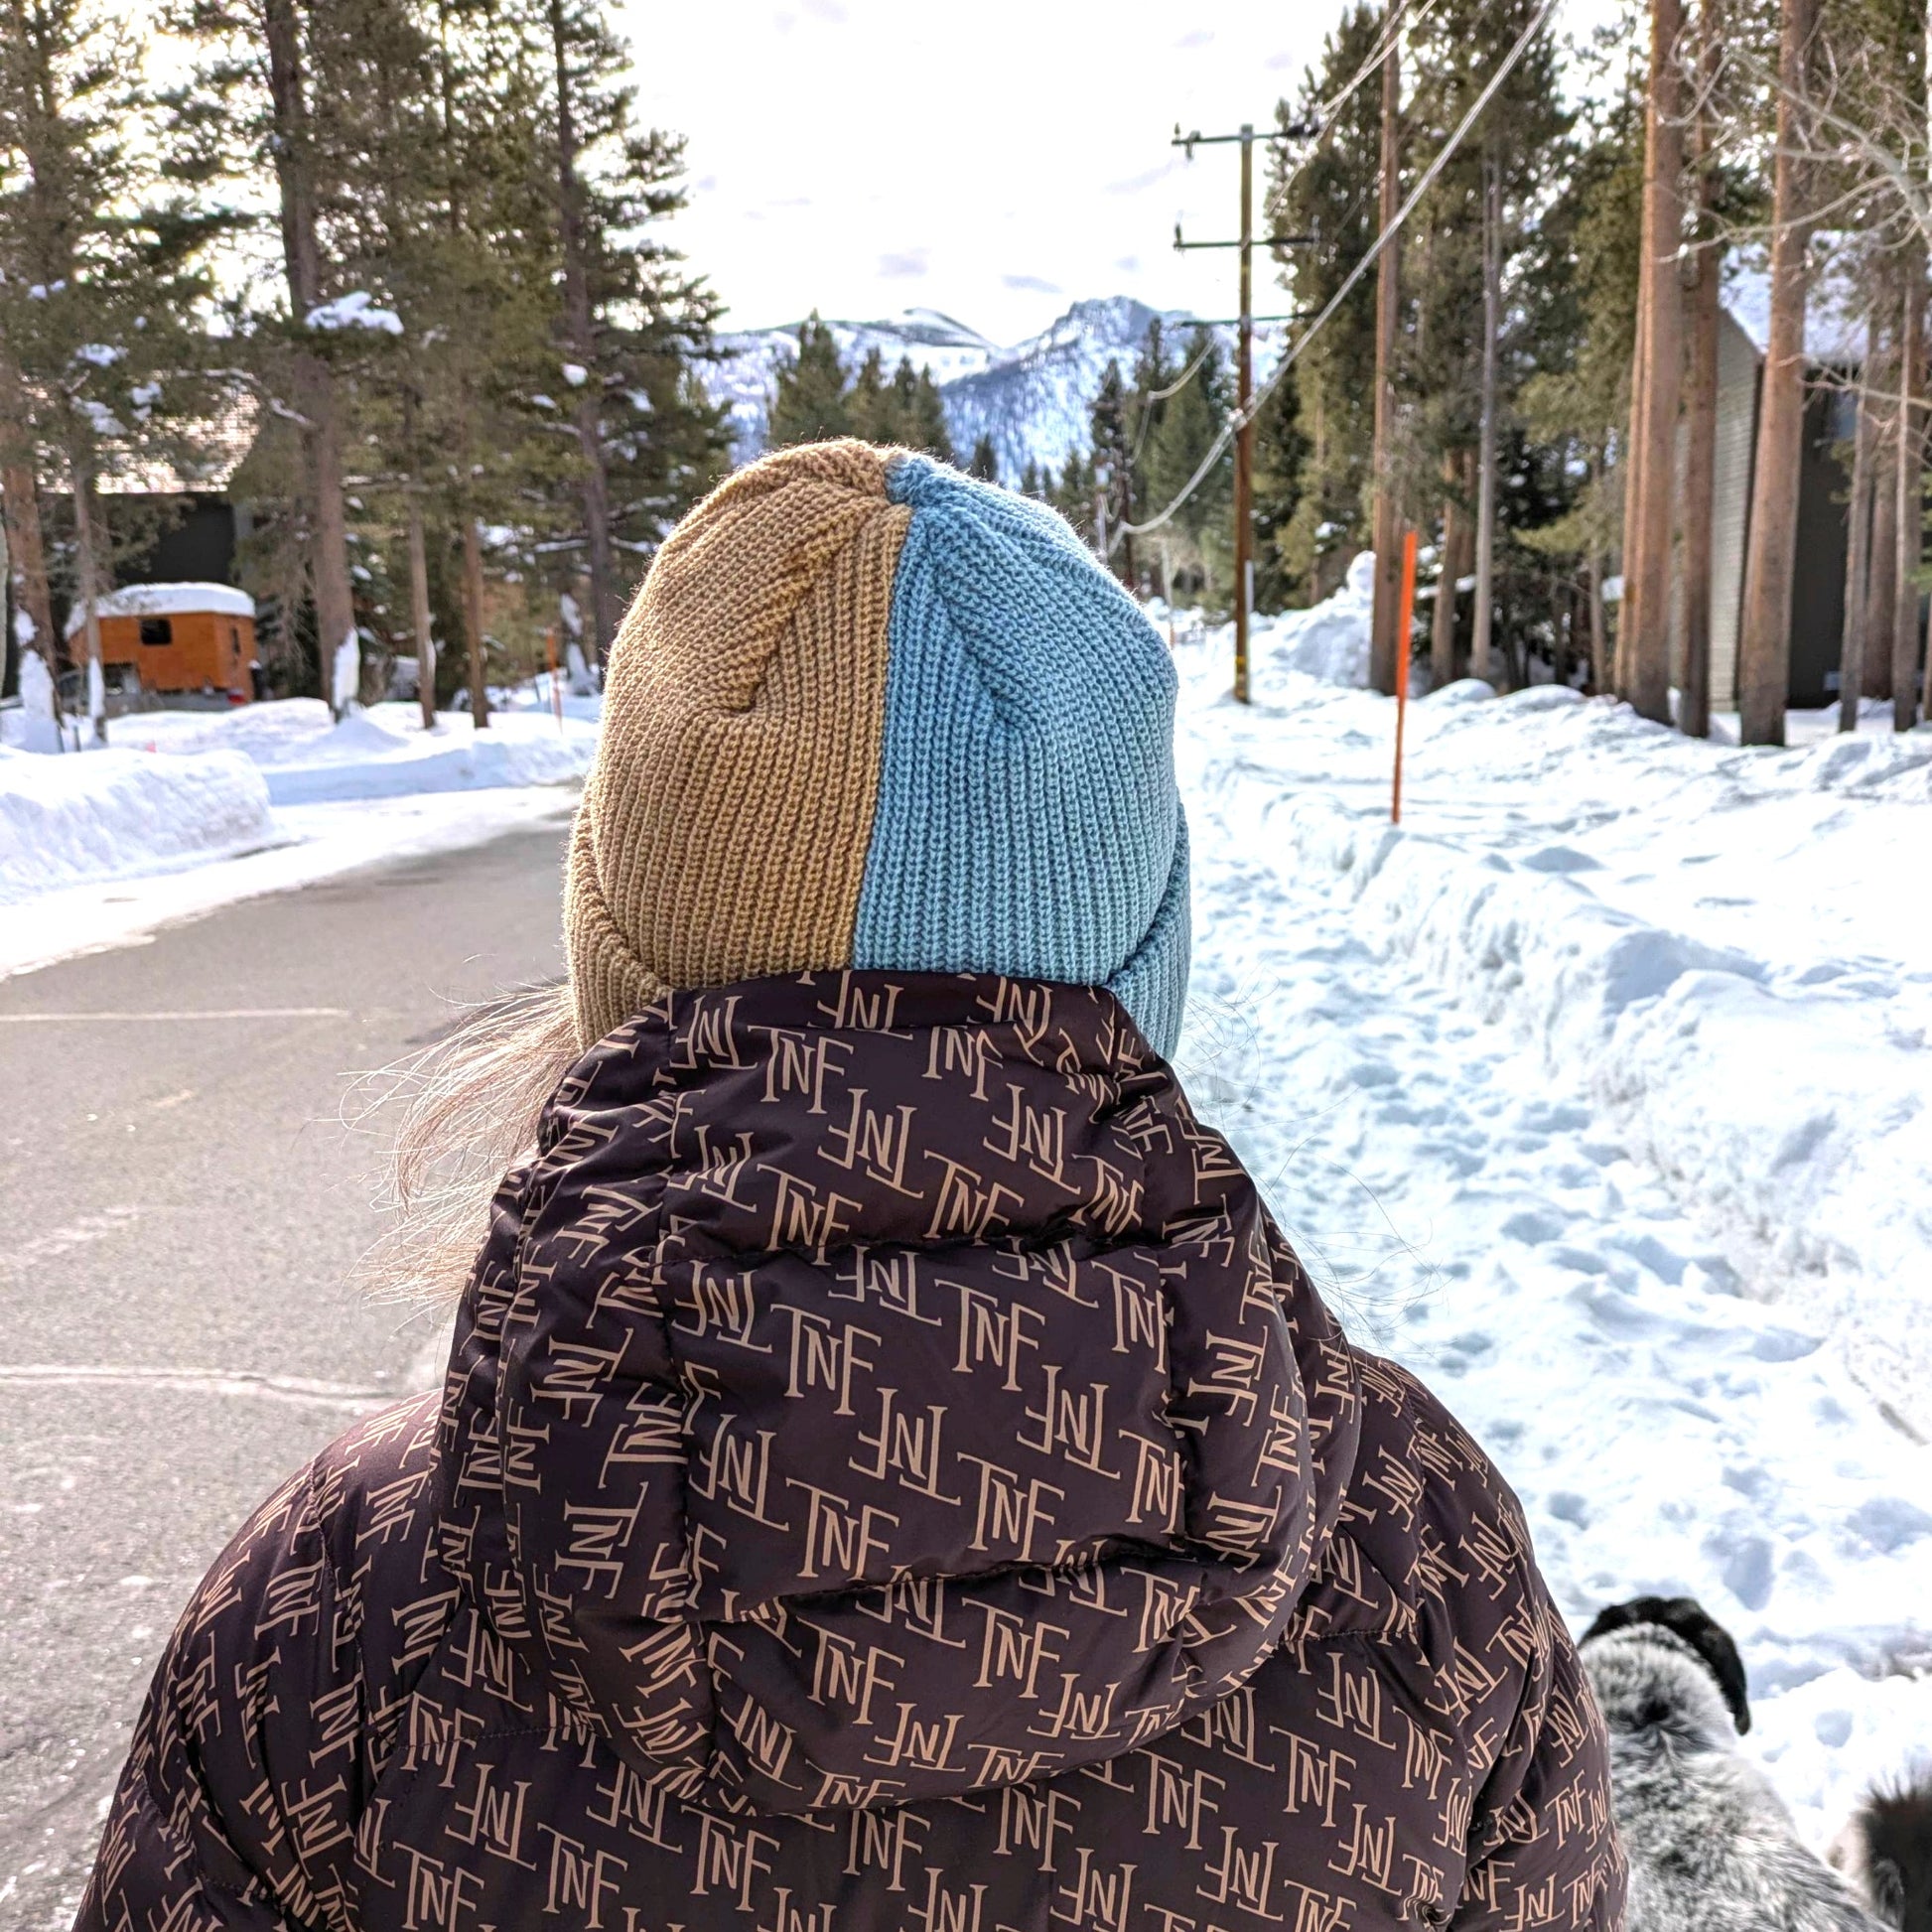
x=1882 y=472
x=27 y=571
x=21 y=504
x=419 y=612
x=581 y=338
x=86 y=561
x=473 y=622
x=1388 y=299
x=315 y=380
x=1482 y=623
x=1615 y=677
x=1700 y=426
x=1456 y=518
x=1764 y=627
x=1596 y=671
x=1645 y=656
x=1859 y=545
x=1908 y=482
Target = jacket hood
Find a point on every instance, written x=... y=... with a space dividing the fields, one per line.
x=880 y=1385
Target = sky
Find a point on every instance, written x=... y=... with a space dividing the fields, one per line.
x=996 y=161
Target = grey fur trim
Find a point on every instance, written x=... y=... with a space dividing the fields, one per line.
x=1711 y=1847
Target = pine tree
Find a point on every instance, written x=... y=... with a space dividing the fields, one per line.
x=869 y=403
x=985 y=463
x=930 y=415
x=1111 y=446
x=809 y=403
x=1490 y=302
x=1280 y=477
x=1330 y=194
x=100 y=288
x=1190 y=422
x=633 y=321
x=1072 y=493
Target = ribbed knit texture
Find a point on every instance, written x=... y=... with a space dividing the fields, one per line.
x=724 y=825
x=1028 y=817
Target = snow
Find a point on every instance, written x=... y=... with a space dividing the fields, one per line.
x=165 y=599
x=358 y=310
x=380 y=753
x=345 y=672
x=1597 y=1093
x=1329 y=641
x=1031 y=397
x=313 y=843
x=37 y=727
x=188 y=810
x=108 y=815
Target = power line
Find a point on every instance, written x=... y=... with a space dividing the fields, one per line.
x=1240 y=419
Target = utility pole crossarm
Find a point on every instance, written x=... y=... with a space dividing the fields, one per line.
x=1256 y=241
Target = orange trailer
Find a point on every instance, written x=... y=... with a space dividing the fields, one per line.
x=175 y=636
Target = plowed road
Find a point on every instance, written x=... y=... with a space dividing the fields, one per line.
x=180 y=1206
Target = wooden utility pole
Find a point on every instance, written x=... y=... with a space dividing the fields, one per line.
x=1644 y=651
x=1388 y=297
x=1700 y=424
x=1770 y=556
x=1483 y=627
x=1907 y=482
x=1244 y=435
x=314 y=382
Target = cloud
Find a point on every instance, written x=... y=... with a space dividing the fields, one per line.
x=1127 y=265
x=1133 y=184
x=1200 y=36
x=900 y=266
x=1033 y=284
x=1286 y=58
x=827 y=10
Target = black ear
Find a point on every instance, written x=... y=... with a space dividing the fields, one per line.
x=1686 y=1618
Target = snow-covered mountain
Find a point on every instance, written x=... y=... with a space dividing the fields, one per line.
x=1032 y=398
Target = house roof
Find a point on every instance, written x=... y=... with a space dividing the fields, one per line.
x=167 y=600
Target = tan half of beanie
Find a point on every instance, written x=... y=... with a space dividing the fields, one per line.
x=724 y=825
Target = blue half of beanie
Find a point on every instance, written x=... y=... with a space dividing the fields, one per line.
x=1027 y=821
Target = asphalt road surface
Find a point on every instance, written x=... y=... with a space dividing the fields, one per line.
x=181 y=1208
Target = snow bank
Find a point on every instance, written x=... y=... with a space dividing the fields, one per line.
x=66 y=820
x=1597 y=1094
x=1330 y=640
x=179 y=788
x=1790 y=1120
x=383 y=753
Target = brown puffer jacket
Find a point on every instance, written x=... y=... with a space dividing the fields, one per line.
x=892 y=1473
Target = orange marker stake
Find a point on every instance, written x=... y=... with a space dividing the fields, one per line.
x=1402 y=666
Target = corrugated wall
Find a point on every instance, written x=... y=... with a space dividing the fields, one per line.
x=1737 y=377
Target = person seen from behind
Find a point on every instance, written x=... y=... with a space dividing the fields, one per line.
x=892 y=1471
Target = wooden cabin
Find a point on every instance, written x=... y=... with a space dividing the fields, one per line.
x=173 y=637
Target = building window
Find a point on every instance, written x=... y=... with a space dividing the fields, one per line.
x=157 y=631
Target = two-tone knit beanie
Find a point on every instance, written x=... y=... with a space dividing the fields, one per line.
x=867 y=712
